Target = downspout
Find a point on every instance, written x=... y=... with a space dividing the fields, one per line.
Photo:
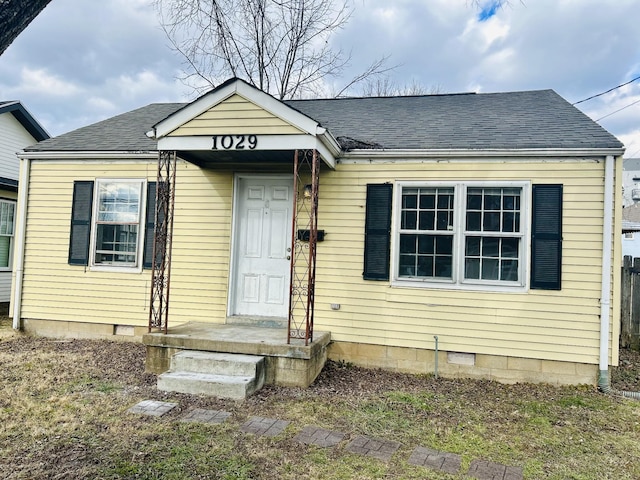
x=23 y=189
x=604 y=383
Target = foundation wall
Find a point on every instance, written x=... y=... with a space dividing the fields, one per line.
x=464 y=365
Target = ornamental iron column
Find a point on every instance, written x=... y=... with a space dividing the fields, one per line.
x=162 y=237
x=304 y=237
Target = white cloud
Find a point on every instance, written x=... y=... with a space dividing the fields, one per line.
x=41 y=80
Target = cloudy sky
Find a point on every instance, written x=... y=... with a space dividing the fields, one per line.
x=82 y=61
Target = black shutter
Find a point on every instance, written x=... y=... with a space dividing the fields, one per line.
x=149 y=225
x=546 y=237
x=81 y=223
x=377 y=231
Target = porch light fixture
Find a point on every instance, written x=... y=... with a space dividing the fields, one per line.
x=306 y=191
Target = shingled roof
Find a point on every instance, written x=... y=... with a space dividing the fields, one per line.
x=496 y=121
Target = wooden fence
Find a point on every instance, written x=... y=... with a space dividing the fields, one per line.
x=630 y=308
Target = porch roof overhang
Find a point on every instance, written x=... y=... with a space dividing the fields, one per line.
x=269 y=148
x=191 y=130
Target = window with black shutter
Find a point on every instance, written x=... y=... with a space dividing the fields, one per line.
x=377 y=236
x=546 y=237
x=149 y=226
x=81 y=223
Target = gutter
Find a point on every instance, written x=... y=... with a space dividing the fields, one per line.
x=446 y=154
x=18 y=257
x=604 y=382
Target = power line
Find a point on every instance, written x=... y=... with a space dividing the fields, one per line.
x=610 y=90
x=619 y=110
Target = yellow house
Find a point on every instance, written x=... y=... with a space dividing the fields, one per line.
x=464 y=235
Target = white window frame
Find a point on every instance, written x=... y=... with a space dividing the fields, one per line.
x=11 y=236
x=458 y=282
x=135 y=267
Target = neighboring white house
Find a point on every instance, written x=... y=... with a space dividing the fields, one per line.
x=18 y=129
x=631 y=207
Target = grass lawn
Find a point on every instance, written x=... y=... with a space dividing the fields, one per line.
x=63 y=416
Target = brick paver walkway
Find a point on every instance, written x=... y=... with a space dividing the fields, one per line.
x=373 y=447
x=268 y=427
x=152 y=407
x=318 y=436
x=201 y=415
x=379 y=448
x=483 y=470
x=442 y=461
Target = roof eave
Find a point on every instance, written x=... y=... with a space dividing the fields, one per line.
x=479 y=153
x=87 y=155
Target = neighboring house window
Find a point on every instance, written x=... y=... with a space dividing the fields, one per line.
x=109 y=226
x=117 y=222
x=7 y=226
x=461 y=234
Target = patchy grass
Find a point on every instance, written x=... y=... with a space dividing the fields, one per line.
x=63 y=415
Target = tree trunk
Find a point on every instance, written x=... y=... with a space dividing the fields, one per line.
x=15 y=15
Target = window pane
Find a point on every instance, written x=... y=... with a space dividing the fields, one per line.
x=426 y=220
x=508 y=222
x=426 y=244
x=442 y=266
x=491 y=222
x=5 y=247
x=408 y=243
x=490 y=269
x=472 y=246
x=409 y=219
x=444 y=244
x=407 y=266
x=445 y=199
x=427 y=200
x=509 y=270
x=118 y=202
x=7 y=212
x=510 y=247
x=472 y=268
x=445 y=220
x=409 y=197
x=116 y=243
x=473 y=221
x=492 y=198
x=474 y=199
x=425 y=266
x=490 y=247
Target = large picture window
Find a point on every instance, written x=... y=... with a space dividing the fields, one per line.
x=117 y=222
x=7 y=226
x=461 y=234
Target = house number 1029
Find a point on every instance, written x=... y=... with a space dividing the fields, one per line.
x=234 y=142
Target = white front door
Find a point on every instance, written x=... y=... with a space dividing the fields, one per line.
x=262 y=246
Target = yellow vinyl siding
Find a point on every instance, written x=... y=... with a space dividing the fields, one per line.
x=54 y=290
x=235 y=115
x=555 y=325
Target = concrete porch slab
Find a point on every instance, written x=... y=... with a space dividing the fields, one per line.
x=294 y=364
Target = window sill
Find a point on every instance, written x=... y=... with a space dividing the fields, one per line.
x=115 y=269
x=470 y=287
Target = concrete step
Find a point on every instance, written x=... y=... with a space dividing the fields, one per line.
x=217 y=363
x=235 y=387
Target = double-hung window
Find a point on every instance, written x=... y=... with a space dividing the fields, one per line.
x=461 y=234
x=116 y=229
x=7 y=226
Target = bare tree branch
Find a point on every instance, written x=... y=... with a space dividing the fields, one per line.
x=280 y=46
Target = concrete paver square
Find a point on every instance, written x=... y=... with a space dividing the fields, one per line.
x=373 y=447
x=484 y=470
x=200 y=415
x=154 y=408
x=268 y=427
x=310 y=435
x=442 y=461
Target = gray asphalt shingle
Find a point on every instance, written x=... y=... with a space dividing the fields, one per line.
x=515 y=120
